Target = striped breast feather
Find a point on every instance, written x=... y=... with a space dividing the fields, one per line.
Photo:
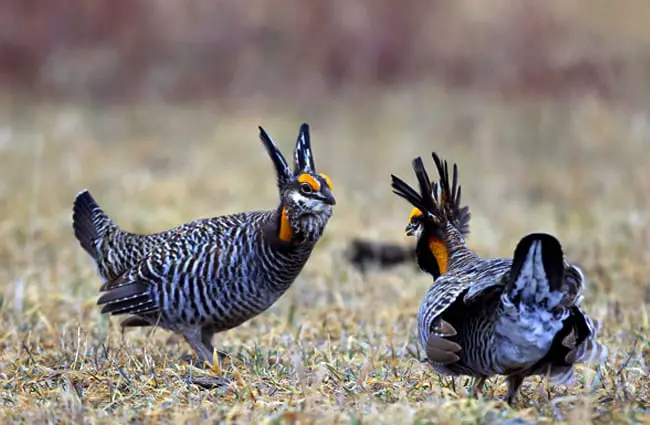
x=134 y=292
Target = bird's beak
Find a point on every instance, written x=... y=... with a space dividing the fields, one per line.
x=327 y=196
x=410 y=228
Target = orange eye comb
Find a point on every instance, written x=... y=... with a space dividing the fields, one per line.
x=310 y=180
x=328 y=180
x=414 y=213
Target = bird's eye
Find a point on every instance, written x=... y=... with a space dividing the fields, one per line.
x=306 y=188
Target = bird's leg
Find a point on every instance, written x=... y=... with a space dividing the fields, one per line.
x=206 y=340
x=478 y=386
x=514 y=383
x=204 y=353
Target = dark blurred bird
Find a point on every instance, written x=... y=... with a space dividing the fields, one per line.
x=365 y=254
x=211 y=274
x=482 y=317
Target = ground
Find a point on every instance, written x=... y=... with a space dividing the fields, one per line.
x=339 y=347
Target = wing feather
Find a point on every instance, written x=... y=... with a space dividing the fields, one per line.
x=135 y=291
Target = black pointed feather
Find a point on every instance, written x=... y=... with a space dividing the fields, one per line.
x=443 y=174
x=455 y=187
x=401 y=188
x=123 y=292
x=425 y=184
x=451 y=195
x=138 y=308
x=303 y=156
x=126 y=306
x=145 y=309
x=281 y=167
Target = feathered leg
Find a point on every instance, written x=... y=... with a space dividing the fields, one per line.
x=514 y=383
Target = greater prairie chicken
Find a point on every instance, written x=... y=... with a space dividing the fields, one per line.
x=482 y=317
x=212 y=274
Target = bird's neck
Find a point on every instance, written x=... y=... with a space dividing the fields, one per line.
x=458 y=252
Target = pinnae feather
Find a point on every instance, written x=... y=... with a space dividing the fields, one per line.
x=402 y=189
x=303 y=156
x=281 y=166
x=424 y=182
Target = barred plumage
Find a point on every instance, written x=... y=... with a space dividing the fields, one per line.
x=482 y=317
x=212 y=274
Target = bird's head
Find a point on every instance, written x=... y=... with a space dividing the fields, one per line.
x=306 y=197
x=436 y=206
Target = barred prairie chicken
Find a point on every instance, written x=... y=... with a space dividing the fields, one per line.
x=482 y=317
x=212 y=274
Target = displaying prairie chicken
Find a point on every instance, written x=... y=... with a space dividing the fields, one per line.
x=212 y=274
x=482 y=317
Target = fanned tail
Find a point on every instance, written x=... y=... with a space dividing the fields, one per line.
x=89 y=222
x=540 y=318
x=537 y=271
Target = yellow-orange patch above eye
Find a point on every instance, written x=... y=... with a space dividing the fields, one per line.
x=310 y=180
x=414 y=213
x=328 y=180
x=440 y=253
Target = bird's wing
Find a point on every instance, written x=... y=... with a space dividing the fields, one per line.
x=133 y=292
x=443 y=293
x=489 y=276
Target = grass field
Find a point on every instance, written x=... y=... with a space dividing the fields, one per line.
x=338 y=347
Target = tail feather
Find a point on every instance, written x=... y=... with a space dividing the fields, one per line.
x=537 y=272
x=89 y=222
x=535 y=306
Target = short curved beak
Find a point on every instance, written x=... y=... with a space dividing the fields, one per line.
x=328 y=196
x=410 y=228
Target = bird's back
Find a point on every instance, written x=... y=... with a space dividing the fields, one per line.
x=466 y=298
x=115 y=251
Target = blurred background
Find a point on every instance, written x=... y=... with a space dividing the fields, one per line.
x=154 y=106
x=110 y=51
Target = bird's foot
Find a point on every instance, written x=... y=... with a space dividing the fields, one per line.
x=220 y=357
x=209 y=382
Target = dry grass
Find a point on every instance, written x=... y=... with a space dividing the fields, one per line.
x=338 y=347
